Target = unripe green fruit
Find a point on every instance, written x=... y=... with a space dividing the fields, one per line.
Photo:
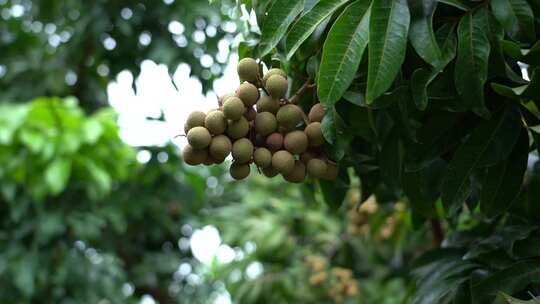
x=307 y=156
x=215 y=122
x=270 y=171
x=220 y=147
x=265 y=123
x=296 y=142
x=276 y=86
x=239 y=171
x=298 y=174
x=242 y=150
x=267 y=104
x=238 y=129
x=332 y=172
x=314 y=134
x=283 y=161
x=274 y=141
x=250 y=114
x=316 y=167
x=248 y=69
x=195 y=119
x=224 y=97
x=199 y=137
x=274 y=71
x=248 y=93
x=233 y=108
x=262 y=157
x=316 y=113
x=193 y=156
x=289 y=116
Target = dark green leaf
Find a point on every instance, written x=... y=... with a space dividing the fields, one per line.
x=456 y=3
x=516 y=17
x=472 y=63
x=421 y=31
x=342 y=52
x=302 y=28
x=279 y=16
x=334 y=192
x=388 y=28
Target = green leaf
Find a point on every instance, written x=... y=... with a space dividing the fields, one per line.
x=421 y=32
x=304 y=26
x=342 y=52
x=472 y=63
x=516 y=16
x=509 y=280
x=57 y=175
x=24 y=273
x=388 y=28
x=279 y=16
x=334 y=192
x=512 y=300
x=503 y=181
x=530 y=90
x=423 y=188
x=491 y=141
x=456 y=3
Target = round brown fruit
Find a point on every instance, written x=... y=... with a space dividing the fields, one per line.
x=298 y=174
x=248 y=69
x=283 y=161
x=316 y=167
x=270 y=171
x=296 y=142
x=289 y=116
x=314 y=134
x=265 y=123
x=276 y=86
x=332 y=172
x=307 y=156
x=239 y=171
x=274 y=71
x=238 y=129
x=195 y=119
x=316 y=113
x=262 y=157
x=250 y=114
x=267 y=104
x=220 y=147
x=242 y=150
x=248 y=93
x=233 y=108
x=274 y=141
x=193 y=156
x=224 y=97
x=199 y=137
x=215 y=122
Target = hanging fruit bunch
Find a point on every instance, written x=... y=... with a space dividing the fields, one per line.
x=259 y=125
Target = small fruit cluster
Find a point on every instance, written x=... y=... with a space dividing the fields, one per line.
x=337 y=283
x=258 y=124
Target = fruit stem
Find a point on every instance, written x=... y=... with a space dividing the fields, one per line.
x=307 y=85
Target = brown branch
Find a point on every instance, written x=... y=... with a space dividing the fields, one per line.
x=307 y=85
x=437 y=232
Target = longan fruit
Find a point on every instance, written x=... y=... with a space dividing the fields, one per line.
x=314 y=134
x=316 y=167
x=248 y=69
x=215 y=122
x=193 y=156
x=269 y=171
x=296 y=142
x=233 y=108
x=298 y=174
x=262 y=157
x=267 y=104
x=307 y=156
x=199 y=137
x=238 y=129
x=331 y=173
x=224 y=97
x=242 y=150
x=248 y=93
x=316 y=113
x=274 y=71
x=276 y=86
x=265 y=123
x=239 y=171
x=274 y=141
x=195 y=119
x=220 y=147
x=250 y=114
x=283 y=161
x=289 y=116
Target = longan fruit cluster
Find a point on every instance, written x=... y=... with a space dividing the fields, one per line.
x=338 y=281
x=259 y=125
